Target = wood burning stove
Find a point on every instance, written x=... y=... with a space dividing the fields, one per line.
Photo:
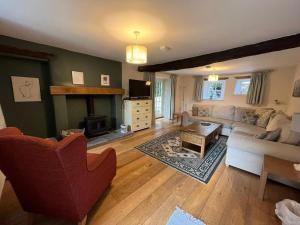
x=94 y=125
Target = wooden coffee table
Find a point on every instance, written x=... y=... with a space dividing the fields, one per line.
x=200 y=134
x=276 y=167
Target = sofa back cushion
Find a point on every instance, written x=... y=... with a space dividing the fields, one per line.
x=203 y=110
x=223 y=112
x=241 y=112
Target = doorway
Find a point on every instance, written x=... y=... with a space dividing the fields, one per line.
x=159 y=84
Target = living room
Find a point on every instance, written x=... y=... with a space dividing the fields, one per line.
x=149 y=112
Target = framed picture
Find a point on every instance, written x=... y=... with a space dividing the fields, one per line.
x=77 y=77
x=296 y=92
x=105 y=80
x=26 y=89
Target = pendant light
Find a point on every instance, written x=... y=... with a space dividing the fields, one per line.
x=136 y=54
x=212 y=77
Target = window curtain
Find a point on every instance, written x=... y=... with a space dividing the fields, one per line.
x=198 y=88
x=151 y=77
x=256 y=90
x=173 y=93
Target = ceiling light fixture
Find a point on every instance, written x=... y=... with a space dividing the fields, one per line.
x=136 y=54
x=212 y=77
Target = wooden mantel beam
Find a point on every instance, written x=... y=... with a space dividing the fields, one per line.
x=273 y=45
x=68 y=90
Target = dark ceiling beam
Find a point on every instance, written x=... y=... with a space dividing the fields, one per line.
x=273 y=45
x=13 y=51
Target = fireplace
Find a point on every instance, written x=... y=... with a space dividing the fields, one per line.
x=94 y=125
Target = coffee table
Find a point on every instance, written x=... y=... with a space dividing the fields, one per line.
x=200 y=134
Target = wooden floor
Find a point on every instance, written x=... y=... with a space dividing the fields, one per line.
x=146 y=191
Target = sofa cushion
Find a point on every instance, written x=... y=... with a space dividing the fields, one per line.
x=247 y=128
x=249 y=118
x=264 y=115
x=203 y=110
x=223 y=112
x=195 y=111
x=240 y=113
x=278 y=121
x=249 y=143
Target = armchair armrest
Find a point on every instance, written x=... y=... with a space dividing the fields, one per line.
x=95 y=160
x=10 y=131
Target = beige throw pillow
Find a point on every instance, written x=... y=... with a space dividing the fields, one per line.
x=263 y=116
x=289 y=136
x=278 y=121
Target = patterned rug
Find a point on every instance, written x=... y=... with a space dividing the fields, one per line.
x=166 y=148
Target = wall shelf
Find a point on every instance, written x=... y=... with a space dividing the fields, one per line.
x=68 y=90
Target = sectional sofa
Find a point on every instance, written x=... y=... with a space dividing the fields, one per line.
x=244 y=150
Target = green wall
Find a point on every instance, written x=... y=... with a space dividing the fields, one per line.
x=65 y=110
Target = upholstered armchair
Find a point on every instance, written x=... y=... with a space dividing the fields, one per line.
x=58 y=179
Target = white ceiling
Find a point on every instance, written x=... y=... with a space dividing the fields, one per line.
x=190 y=27
x=268 y=61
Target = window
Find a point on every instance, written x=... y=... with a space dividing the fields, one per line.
x=213 y=90
x=242 y=86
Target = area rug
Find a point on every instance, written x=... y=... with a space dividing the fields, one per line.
x=166 y=148
x=180 y=217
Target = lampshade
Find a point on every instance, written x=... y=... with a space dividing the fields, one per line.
x=295 y=126
x=136 y=54
x=213 y=77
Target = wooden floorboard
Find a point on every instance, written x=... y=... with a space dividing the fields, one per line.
x=146 y=191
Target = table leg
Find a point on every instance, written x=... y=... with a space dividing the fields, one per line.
x=202 y=148
x=263 y=181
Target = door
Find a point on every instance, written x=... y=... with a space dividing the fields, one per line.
x=159 y=98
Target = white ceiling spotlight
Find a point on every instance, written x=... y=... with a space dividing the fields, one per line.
x=165 y=48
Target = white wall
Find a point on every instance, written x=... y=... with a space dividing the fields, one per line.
x=294 y=103
x=129 y=71
x=279 y=85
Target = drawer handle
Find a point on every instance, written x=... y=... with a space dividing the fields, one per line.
x=137 y=103
x=146 y=103
x=146 y=116
x=137 y=125
x=137 y=110
x=146 y=123
x=137 y=118
x=146 y=109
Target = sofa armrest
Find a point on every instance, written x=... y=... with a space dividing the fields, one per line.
x=10 y=131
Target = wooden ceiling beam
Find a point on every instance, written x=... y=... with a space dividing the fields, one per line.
x=273 y=45
x=10 y=50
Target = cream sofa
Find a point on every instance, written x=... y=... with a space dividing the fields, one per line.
x=244 y=150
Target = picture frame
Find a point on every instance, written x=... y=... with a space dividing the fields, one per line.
x=296 y=91
x=26 y=89
x=77 y=78
x=105 y=80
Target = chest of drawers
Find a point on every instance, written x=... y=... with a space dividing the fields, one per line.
x=138 y=114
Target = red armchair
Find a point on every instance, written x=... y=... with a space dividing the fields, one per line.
x=56 y=179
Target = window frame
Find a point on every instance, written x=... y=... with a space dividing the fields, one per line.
x=222 y=90
x=238 y=81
